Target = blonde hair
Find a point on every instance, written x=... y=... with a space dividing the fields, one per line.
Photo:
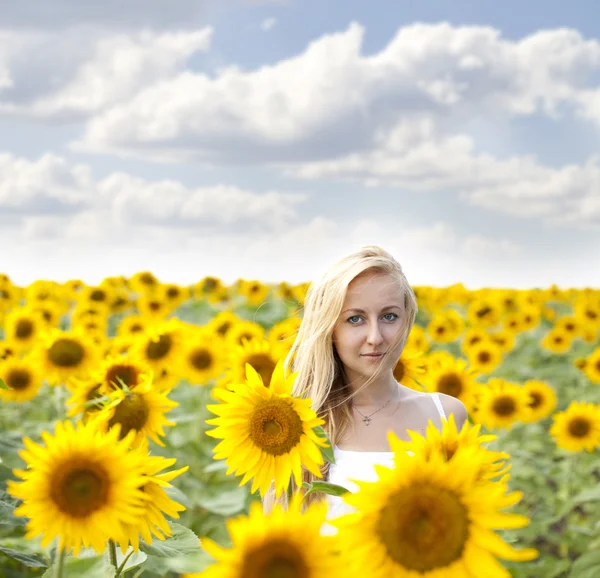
x=313 y=355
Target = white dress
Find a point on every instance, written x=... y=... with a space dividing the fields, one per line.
x=358 y=465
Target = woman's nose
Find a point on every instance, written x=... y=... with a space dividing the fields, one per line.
x=374 y=335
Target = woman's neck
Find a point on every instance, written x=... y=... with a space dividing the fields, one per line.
x=379 y=391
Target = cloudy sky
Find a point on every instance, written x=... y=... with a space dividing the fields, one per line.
x=264 y=139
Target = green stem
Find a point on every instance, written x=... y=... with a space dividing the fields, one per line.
x=112 y=552
x=122 y=566
x=60 y=562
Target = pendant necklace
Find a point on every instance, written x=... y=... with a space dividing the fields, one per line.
x=367 y=418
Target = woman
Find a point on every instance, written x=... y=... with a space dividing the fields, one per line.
x=355 y=325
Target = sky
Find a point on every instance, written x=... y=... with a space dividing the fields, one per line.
x=267 y=139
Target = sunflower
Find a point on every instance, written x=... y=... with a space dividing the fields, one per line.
x=409 y=368
x=484 y=313
x=446 y=326
x=244 y=330
x=7 y=350
x=452 y=377
x=557 y=340
x=485 y=356
x=417 y=339
x=513 y=322
x=504 y=338
x=283 y=334
x=153 y=306
x=81 y=486
x=50 y=311
x=591 y=367
x=143 y=282
x=160 y=345
x=65 y=354
x=570 y=324
x=222 y=322
x=86 y=396
x=132 y=325
x=141 y=410
x=578 y=427
x=449 y=441
x=472 y=337
x=259 y=353
x=255 y=292
x=501 y=403
x=157 y=503
x=22 y=327
x=285 y=543
x=22 y=377
x=115 y=369
x=530 y=317
x=174 y=294
x=589 y=334
x=431 y=518
x=201 y=359
x=211 y=288
x=267 y=434
x=542 y=400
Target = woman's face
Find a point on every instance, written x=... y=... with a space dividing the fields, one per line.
x=371 y=321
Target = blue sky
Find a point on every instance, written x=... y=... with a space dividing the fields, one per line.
x=266 y=139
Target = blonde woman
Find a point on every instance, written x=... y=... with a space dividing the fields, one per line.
x=355 y=325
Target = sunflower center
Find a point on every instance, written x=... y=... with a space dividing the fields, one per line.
x=504 y=406
x=18 y=379
x=66 y=352
x=481 y=313
x=275 y=559
x=128 y=374
x=24 y=329
x=597 y=365
x=535 y=399
x=132 y=413
x=264 y=366
x=424 y=528
x=155 y=305
x=172 y=292
x=224 y=328
x=579 y=427
x=210 y=285
x=147 y=279
x=135 y=328
x=80 y=490
x=399 y=371
x=201 y=359
x=159 y=349
x=483 y=356
x=275 y=427
x=450 y=384
x=97 y=295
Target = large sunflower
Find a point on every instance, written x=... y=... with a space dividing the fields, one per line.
x=22 y=377
x=141 y=410
x=430 y=518
x=156 y=504
x=81 y=486
x=501 y=403
x=65 y=354
x=449 y=441
x=578 y=427
x=279 y=545
x=267 y=434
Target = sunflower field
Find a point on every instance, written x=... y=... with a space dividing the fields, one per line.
x=142 y=422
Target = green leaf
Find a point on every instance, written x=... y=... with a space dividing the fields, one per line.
x=3 y=385
x=586 y=566
x=94 y=567
x=183 y=542
x=588 y=495
x=325 y=488
x=222 y=501
x=327 y=452
x=29 y=560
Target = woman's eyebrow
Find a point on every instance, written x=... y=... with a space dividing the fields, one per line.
x=363 y=311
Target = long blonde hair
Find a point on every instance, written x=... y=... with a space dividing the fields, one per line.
x=313 y=355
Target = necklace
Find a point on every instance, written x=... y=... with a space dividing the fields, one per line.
x=367 y=418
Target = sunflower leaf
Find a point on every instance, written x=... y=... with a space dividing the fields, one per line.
x=327 y=452
x=29 y=560
x=3 y=385
x=183 y=542
x=325 y=488
x=586 y=566
x=93 y=567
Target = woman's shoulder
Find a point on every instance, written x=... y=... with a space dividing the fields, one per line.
x=453 y=405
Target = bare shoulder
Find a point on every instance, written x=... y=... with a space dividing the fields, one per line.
x=452 y=405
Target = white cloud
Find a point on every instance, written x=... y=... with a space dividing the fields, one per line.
x=268 y=23
x=331 y=100
x=90 y=71
x=50 y=197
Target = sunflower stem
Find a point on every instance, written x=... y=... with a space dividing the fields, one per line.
x=112 y=552
x=60 y=562
x=122 y=566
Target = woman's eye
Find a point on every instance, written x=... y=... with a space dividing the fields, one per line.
x=353 y=317
x=394 y=316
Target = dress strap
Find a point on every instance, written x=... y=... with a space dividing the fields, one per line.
x=438 y=404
